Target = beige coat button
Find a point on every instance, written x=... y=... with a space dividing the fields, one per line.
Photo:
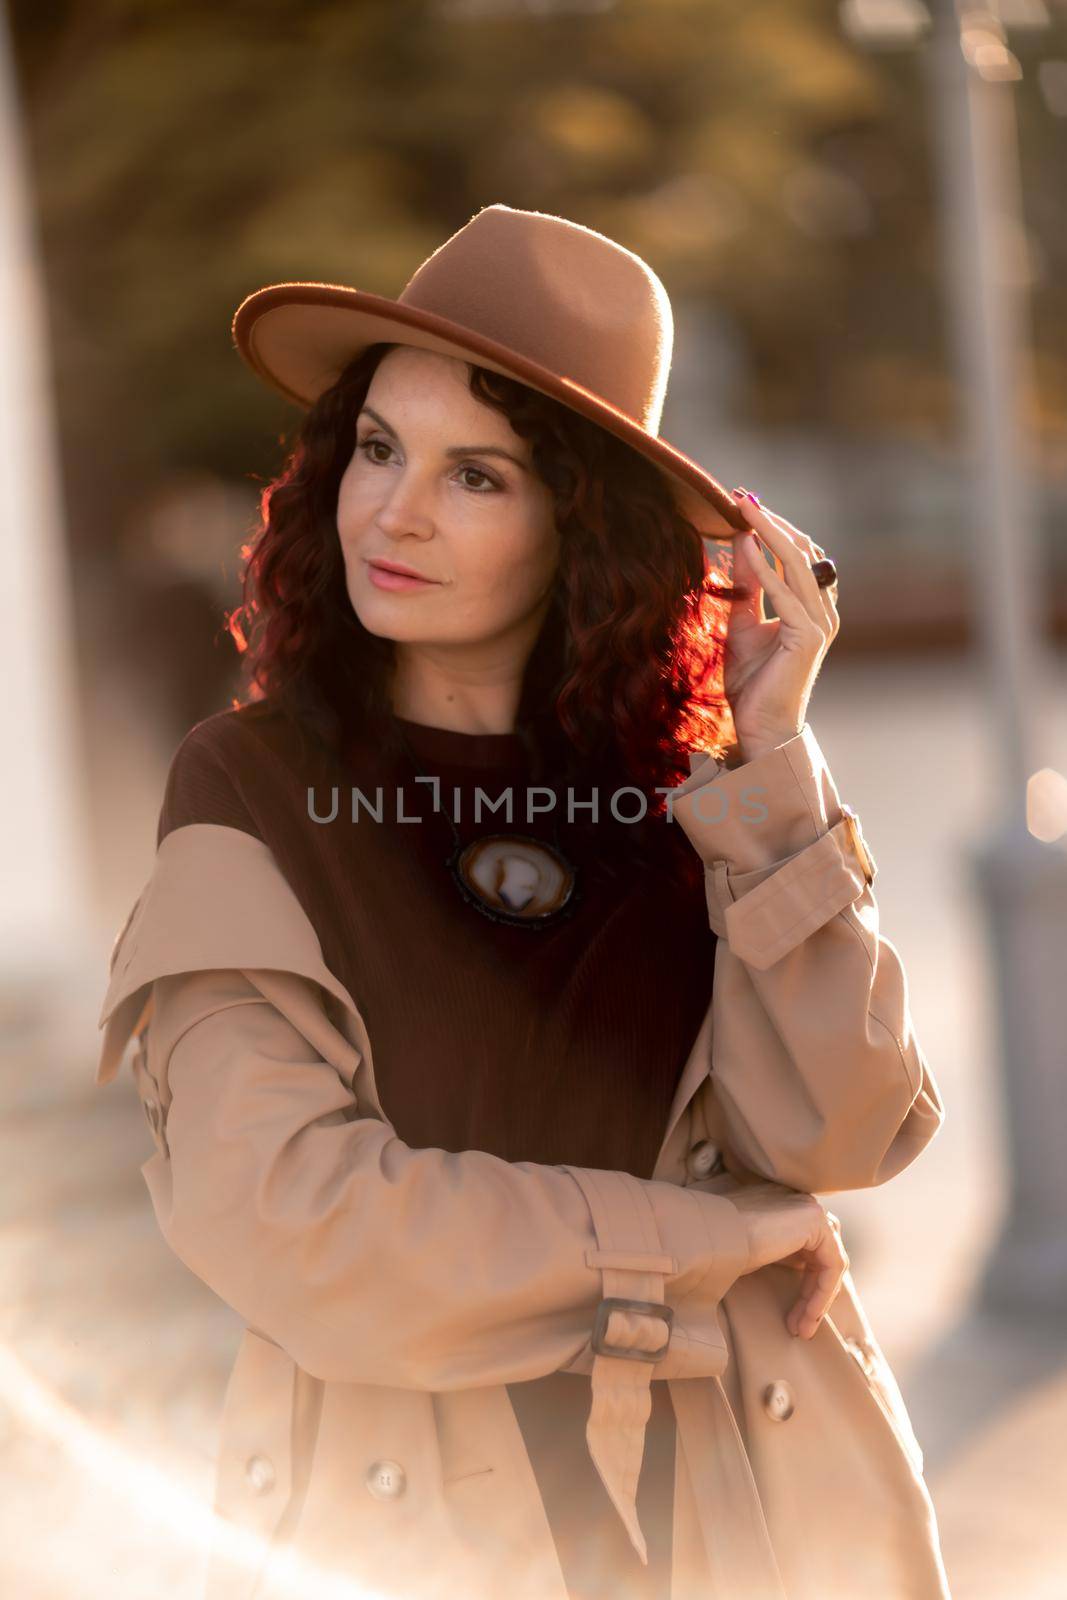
x=386 y=1479
x=778 y=1400
x=259 y=1470
x=703 y=1159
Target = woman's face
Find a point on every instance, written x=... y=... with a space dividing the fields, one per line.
x=427 y=491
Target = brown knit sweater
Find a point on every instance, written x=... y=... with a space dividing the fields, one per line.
x=561 y=1044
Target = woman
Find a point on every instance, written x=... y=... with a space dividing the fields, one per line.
x=521 y=1286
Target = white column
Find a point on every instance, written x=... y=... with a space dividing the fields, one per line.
x=45 y=929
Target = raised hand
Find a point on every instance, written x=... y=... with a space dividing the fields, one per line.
x=772 y=662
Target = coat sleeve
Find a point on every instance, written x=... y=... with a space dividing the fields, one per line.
x=366 y=1259
x=817 y=1073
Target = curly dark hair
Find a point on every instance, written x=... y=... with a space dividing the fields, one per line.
x=625 y=676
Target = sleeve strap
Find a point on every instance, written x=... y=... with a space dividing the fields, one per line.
x=765 y=913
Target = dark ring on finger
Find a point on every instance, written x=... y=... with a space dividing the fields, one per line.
x=825 y=572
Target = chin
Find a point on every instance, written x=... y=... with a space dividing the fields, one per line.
x=385 y=617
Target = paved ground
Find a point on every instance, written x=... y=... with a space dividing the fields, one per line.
x=113 y=1357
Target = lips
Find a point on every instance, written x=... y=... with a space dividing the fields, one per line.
x=396 y=576
x=398 y=566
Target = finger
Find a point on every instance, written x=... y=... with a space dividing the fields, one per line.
x=807 y=549
x=749 y=566
x=829 y=593
x=790 y=527
x=792 y=608
x=794 y=560
x=786 y=541
x=828 y=1283
x=816 y=1300
x=805 y=1314
x=822 y=1282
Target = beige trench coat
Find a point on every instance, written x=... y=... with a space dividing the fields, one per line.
x=368 y=1444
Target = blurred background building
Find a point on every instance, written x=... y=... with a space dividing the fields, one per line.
x=793 y=169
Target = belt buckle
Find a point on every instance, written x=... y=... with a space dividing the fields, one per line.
x=649 y=1307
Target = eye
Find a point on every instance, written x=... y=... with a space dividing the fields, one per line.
x=479 y=473
x=367 y=445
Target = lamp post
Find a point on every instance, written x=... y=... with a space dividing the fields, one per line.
x=1020 y=880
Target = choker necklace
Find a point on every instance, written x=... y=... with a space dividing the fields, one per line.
x=510 y=877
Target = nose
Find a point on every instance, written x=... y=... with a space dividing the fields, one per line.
x=405 y=510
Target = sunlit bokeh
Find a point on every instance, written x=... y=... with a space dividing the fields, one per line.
x=808 y=181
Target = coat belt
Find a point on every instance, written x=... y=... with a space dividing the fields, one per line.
x=739 y=1549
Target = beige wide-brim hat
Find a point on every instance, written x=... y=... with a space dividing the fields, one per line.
x=554 y=304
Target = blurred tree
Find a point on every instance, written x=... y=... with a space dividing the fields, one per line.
x=186 y=153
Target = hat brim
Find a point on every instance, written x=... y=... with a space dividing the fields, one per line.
x=298 y=337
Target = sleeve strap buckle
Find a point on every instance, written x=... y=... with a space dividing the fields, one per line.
x=651 y=1308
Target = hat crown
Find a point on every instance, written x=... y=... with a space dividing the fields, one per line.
x=562 y=295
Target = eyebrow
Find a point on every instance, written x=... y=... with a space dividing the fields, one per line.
x=455 y=450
